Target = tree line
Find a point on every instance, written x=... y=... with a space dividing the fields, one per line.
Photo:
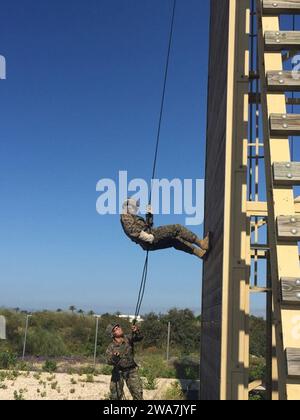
x=72 y=333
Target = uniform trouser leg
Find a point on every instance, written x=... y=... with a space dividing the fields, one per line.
x=116 y=385
x=169 y=232
x=134 y=383
x=186 y=235
x=184 y=246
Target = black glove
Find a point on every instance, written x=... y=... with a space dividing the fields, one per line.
x=149 y=220
x=116 y=359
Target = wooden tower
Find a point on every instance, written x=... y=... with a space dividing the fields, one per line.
x=250 y=203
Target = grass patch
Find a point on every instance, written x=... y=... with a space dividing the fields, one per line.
x=50 y=366
x=174 y=392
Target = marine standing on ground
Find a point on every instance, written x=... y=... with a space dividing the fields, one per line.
x=120 y=355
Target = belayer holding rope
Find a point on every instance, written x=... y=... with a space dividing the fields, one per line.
x=120 y=355
x=142 y=232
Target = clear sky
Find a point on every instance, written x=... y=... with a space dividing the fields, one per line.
x=80 y=103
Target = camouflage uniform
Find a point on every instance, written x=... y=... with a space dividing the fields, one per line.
x=125 y=368
x=170 y=236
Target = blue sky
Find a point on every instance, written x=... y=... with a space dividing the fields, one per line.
x=80 y=103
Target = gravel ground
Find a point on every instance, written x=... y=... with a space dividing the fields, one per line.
x=61 y=386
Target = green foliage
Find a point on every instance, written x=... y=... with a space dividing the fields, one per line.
x=106 y=370
x=257 y=337
x=156 y=366
x=7 y=360
x=3 y=386
x=187 y=367
x=23 y=366
x=88 y=370
x=150 y=382
x=45 y=343
x=256 y=397
x=185 y=330
x=257 y=369
x=8 y=375
x=54 y=385
x=60 y=334
x=89 y=378
x=174 y=392
x=65 y=334
x=50 y=366
x=19 y=396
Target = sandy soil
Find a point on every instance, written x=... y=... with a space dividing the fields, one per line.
x=61 y=386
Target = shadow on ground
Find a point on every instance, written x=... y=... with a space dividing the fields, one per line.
x=187 y=373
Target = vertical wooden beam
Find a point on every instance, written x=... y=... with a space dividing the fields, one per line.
x=225 y=302
x=284 y=256
x=236 y=259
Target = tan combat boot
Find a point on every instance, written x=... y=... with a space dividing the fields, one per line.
x=200 y=253
x=204 y=243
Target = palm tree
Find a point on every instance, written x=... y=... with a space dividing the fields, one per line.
x=91 y=313
x=80 y=311
x=72 y=308
x=59 y=310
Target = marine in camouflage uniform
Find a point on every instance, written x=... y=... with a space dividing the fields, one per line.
x=120 y=355
x=153 y=239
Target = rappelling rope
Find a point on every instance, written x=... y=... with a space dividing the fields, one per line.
x=145 y=269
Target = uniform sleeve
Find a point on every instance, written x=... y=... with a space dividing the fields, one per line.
x=111 y=359
x=137 y=337
x=133 y=226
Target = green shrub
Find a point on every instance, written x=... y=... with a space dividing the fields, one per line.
x=50 y=366
x=19 y=396
x=89 y=378
x=156 y=366
x=11 y=375
x=7 y=360
x=174 y=392
x=106 y=370
x=23 y=366
x=187 y=368
x=256 y=397
x=37 y=376
x=88 y=370
x=45 y=343
x=150 y=382
x=54 y=385
x=257 y=370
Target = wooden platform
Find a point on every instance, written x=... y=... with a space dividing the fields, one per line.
x=272 y=7
x=283 y=81
x=285 y=125
x=286 y=173
x=280 y=40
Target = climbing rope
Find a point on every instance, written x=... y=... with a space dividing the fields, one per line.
x=142 y=289
x=145 y=269
x=163 y=99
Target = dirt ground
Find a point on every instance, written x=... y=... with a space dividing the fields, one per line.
x=61 y=386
